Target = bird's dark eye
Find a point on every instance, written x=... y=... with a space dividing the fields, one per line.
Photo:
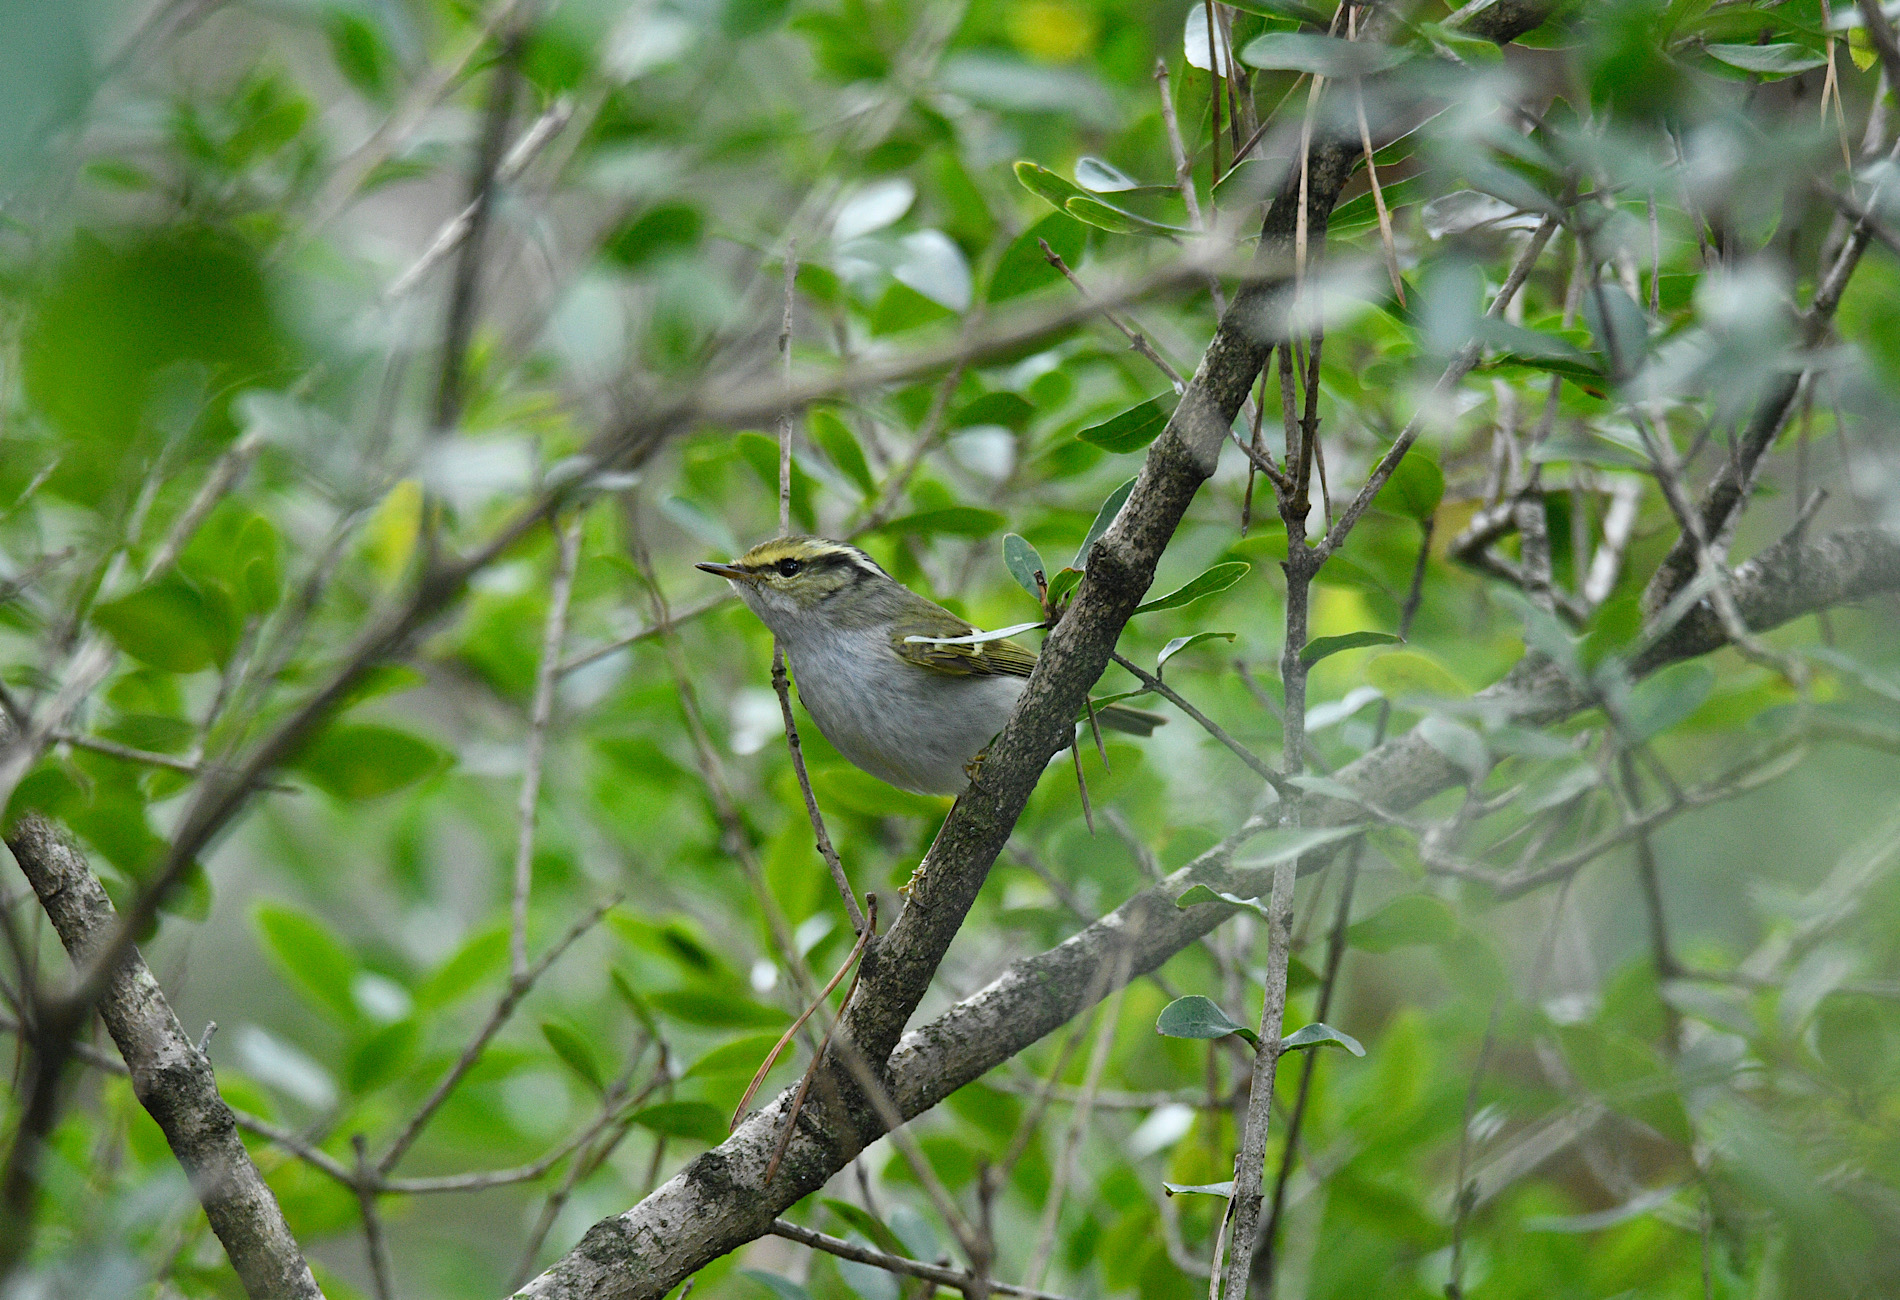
x=787 y=567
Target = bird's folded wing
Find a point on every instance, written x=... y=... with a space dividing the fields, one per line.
x=983 y=659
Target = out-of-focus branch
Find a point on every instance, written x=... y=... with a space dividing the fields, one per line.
x=172 y=1078
x=568 y=550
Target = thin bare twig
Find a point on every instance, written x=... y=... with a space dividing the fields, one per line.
x=826 y=849
x=1136 y=339
x=785 y=416
x=518 y=987
x=458 y=324
x=458 y=227
x=616 y=1113
x=388 y=137
x=1260 y=768
x=379 y=1269
x=680 y=617
x=771 y=1057
x=1107 y=1022
x=1456 y=370
x=831 y=1027
x=542 y=712
x=948 y=1277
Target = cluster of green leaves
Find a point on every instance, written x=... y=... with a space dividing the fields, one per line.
x=188 y=283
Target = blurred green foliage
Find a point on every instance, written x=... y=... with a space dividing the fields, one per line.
x=184 y=269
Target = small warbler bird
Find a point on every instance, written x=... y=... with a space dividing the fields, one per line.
x=872 y=669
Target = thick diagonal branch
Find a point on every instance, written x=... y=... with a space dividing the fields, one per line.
x=171 y=1076
x=721 y=1199
x=718 y=1201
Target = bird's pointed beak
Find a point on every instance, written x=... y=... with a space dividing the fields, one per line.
x=732 y=571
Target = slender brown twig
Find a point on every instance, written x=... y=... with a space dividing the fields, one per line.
x=568 y=545
x=948 y=1277
x=518 y=988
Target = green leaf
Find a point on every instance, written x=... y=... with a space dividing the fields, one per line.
x=665 y=228
x=1023 y=267
x=1282 y=9
x=1047 y=185
x=698 y=1120
x=1103 y=518
x=1770 y=61
x=782 y=1287
x=1325 y=56
x=741 y=1056
x=1024 y=562
x=1132 y=430
x=714 y=1009
x=1198 y=894
x=1180 y=643
x=831 y=436
x=1285 y=842
x=957 y=521
x=359 y=761
x=1010 y=410
x=170 y=625
x=310 y=955
x=860 y=792
x=1199 y=1189
x=1064 y=582
x=479 y=957
x=1320 y=647
x=1251 y=181
x=1406 y=921
x=382 y=1057
x=1409 y=674
x=635 y=1003
x=761 y=453
x=1092 y=211
x=1665 y=698
x=1218 y=578
x=259 y=569
x=864 y=1221
x=1197 y=1017
x=575 y=1051
x=1459 y=743
x=1415 y=488
x=1319 y=1035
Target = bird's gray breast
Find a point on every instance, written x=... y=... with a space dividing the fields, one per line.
x=912 y=727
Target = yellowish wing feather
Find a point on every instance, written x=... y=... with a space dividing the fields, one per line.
x=984 y=659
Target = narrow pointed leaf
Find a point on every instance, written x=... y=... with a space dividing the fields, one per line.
x=1320 y=1035
x=1218 y=578
x=575 y=1051
x=1046 y=185
x=1132 y=430
x=1103 y=518
x=1090 y=210
x=1199 y=894
x=1321 y=646
x=1180 y=643
x=1199 y=1189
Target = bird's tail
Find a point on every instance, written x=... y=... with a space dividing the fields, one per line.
x=1136 y=722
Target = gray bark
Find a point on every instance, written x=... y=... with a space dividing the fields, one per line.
x=719 y=1202
x=171 y=1077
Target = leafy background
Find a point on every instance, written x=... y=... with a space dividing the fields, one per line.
x=204 y=241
